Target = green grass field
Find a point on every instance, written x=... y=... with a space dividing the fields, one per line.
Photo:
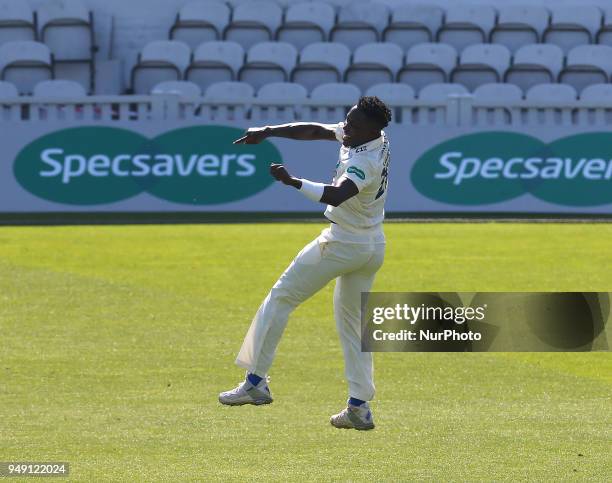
x=116 y=341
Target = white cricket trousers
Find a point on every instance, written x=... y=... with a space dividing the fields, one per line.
x=353 y=261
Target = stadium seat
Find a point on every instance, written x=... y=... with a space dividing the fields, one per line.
x=498 y=93
x=253 y=22
x=573 y=26
x=279 y=100
x=67 y=28
x=519 y=25
x=467 y=25
x=331 y=102
x=268 y=62
x=413 y=24
x=236 y=92
x=216 y=61
x=306 y=23
x=360 y=23
x=597 y=93
x=551 y=93
x=16 y=21
x=396 y=96
x=25 y=63
x=374 y=63
x=587 y=65
x=229 y=99
x=440 y=92
x=200 y=21
x=481 y=64
x=159 y=61
x=535 y=64
x=604 y=35
x=59 y=88
x=321 y=63
x=181 y=88
x=428 y=63
x=8 y=90
x=493 y=104
x=392 y=94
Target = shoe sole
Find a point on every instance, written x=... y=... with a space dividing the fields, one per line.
x=358 y=428
x=258 y=402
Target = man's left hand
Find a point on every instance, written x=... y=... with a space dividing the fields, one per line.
x=280 y=173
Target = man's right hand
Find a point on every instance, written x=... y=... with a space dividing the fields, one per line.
x=253 y=135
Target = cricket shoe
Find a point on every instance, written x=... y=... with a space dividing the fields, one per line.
x=247 y=393
x=354 y=417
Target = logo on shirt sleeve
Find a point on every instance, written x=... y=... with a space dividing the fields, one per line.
x=357 y=172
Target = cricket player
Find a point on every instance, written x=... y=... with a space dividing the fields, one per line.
x=350 y=251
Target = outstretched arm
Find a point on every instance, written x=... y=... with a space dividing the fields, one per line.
x=304 y=131
x=329 y=194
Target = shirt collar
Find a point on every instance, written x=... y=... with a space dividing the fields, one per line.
x=369 y=146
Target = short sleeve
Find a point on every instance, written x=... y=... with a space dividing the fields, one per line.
x=340 y=131
x=359 y=171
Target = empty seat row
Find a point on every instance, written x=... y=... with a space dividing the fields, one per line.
x=370 y=64
x=286 y=93
x=406 y=24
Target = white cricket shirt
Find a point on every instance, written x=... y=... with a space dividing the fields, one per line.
x=367 y=166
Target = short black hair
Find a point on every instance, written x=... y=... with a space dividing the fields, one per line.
x=375 y=109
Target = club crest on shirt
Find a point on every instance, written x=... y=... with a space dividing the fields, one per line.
x=361 y=149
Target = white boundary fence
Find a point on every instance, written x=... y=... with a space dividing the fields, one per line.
x=461 y=110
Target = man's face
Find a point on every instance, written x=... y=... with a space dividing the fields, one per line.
x=358 y=129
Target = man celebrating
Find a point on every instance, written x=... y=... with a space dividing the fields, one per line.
x=351 y=251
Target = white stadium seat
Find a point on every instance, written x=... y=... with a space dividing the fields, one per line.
x=498 y=93
x=374 y=63
x=360 y=23
x=159 y=61
x=279 y=100
x=572 y=26
x=67 y=28
x=331 y=102
x=467 y=25
x=235 y=92
x=535 y=64
x=232 y=100
x=428 y=63
x=253 y=22
x=25 y=63
x=184 y=89
x=392 y=94
x=413 y=24
x=16 y=21
x=441 y=92
x=604 y=35
x=8 y=90
x=346 y=94
x=268 y=62
x=200 y=21
x=306 y=23
x=481 y=64
x=283 y=92
x=597 y=93
x=587 y=65
x=321 y=63
x=59 y=88
x=519 y=25
x=216 y=61
x=551 y=93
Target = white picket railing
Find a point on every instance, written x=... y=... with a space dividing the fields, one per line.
x=457 y=110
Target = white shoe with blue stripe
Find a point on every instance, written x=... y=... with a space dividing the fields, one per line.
x=354 y=417
x=247 y=393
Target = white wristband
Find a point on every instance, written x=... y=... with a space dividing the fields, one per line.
x=312 y=191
